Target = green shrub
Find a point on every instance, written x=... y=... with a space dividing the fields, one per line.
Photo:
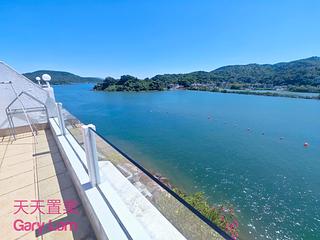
x=223 y=217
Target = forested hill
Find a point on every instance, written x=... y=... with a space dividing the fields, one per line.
x=58 y=77
x=300 y=72
x=297 y=75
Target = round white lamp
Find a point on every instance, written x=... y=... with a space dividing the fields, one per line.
x=38 y=79
x=46 y=78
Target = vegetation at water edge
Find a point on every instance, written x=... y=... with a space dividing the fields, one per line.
x=223 y=217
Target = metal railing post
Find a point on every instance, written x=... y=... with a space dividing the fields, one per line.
x=61 y=120
x=90 y=147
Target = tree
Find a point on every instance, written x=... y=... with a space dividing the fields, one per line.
x=126 y=78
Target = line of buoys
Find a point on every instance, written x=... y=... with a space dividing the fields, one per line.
x=306 y=144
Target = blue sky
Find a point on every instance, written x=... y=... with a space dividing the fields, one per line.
x=144 y=38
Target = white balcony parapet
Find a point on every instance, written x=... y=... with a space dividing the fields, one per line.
x=101 y=215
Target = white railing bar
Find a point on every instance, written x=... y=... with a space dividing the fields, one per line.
x=90 y=147
x=61 y=120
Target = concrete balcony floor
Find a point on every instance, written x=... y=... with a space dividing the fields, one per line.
x=31 y=168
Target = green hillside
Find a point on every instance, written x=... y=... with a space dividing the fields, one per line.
x=300 y=75
x=58 y=77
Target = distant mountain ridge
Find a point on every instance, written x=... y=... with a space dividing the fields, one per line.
x=60 y=77
x=303 y=72
x=299 y=75
x=298 y=72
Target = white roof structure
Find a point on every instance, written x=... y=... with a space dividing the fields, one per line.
x=12 y=83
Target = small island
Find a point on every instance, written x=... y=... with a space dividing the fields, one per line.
x=281 y=79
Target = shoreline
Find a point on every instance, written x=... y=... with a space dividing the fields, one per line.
x=244 y=92
x=267 y=94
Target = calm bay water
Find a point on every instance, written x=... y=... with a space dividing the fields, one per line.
x=242 y=150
